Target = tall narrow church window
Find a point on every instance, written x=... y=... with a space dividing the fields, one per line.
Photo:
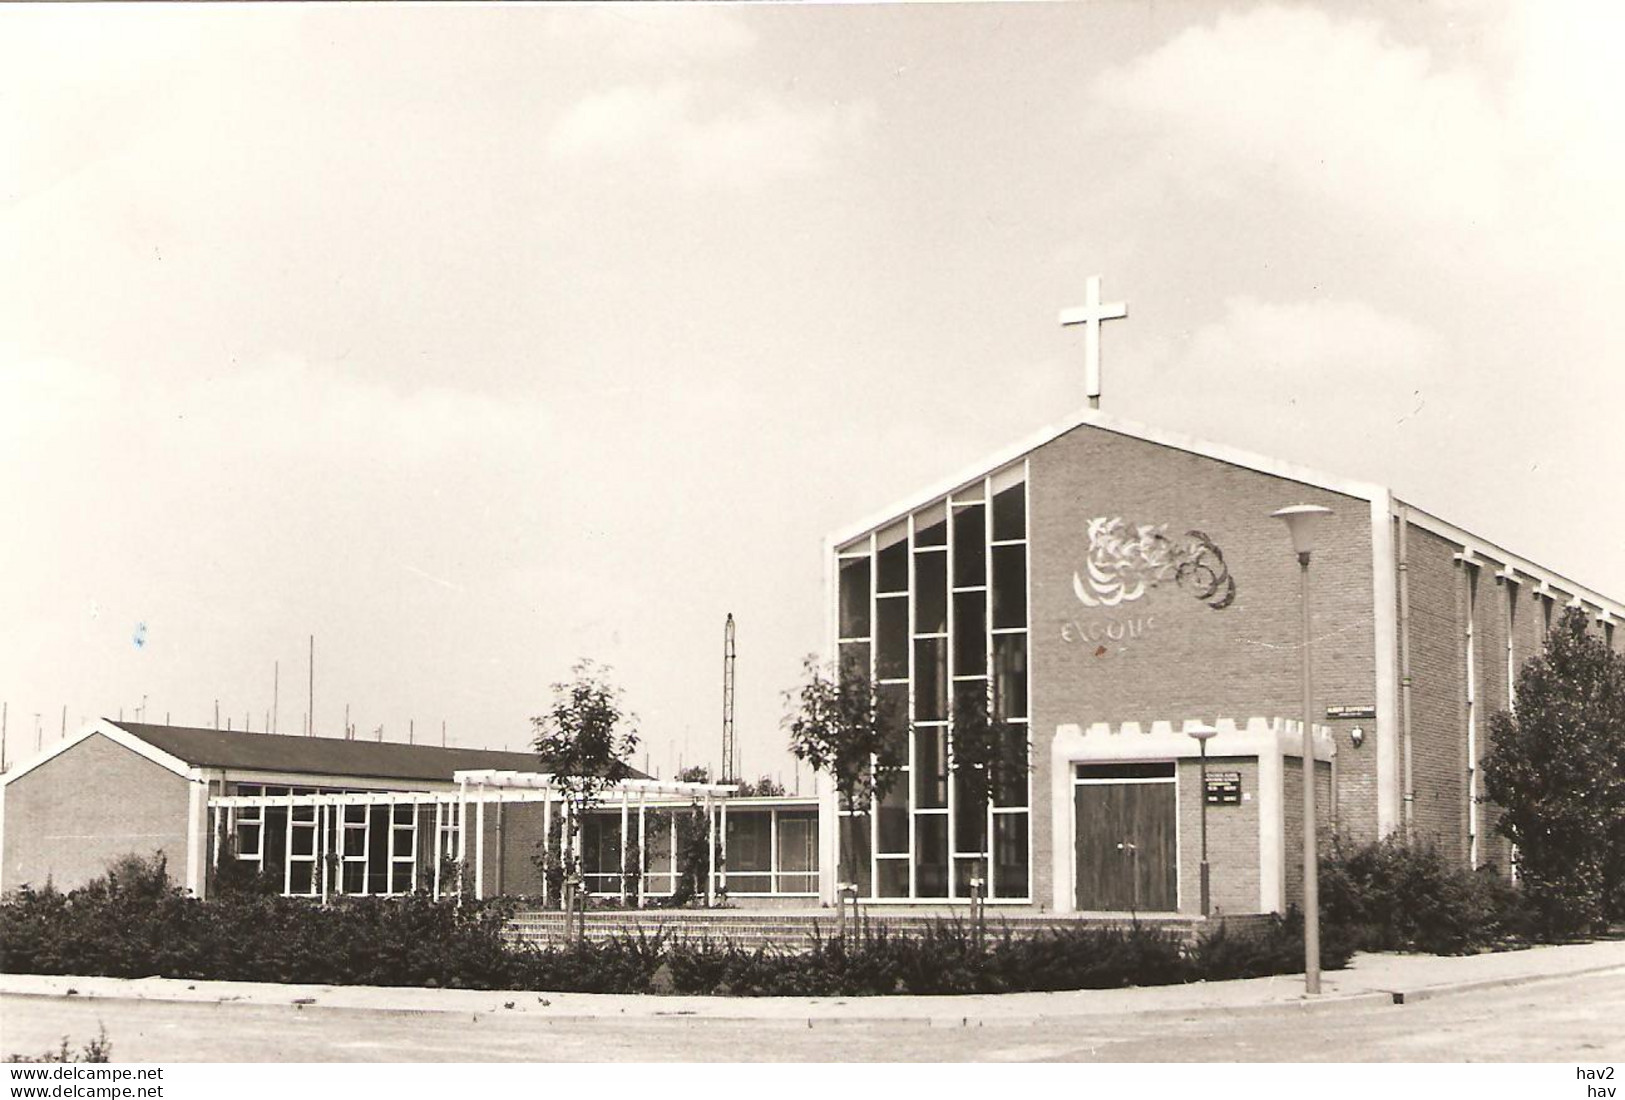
x=941 y=624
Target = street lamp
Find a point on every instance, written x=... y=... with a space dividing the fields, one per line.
x=1203 y=734
x=1301 y=521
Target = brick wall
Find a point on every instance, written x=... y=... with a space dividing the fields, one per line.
x=1292 y=821
x=69 y=817
x=1232 y=839
x=1438 y=694
x=1180 y=658
x=521 y=835
x=1490 y=697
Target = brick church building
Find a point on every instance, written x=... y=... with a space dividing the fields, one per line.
x=1113 y=587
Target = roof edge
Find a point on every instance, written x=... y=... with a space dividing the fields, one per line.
x=1221 y=452
x=1483 y=547
x=113 y=732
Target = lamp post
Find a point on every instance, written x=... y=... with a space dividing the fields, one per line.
x=1203 y=734
x=1301 y=522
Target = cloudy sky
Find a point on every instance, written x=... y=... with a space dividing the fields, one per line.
x=476 y=340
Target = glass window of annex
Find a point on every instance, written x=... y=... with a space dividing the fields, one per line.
x=934 y=607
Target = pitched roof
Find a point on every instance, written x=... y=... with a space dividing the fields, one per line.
x=210 y=748
x=1379 y=495
x=1094 y=418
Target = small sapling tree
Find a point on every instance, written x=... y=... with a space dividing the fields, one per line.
x=584 y=739
x=840 y=725
x=1556 y=767
x=989 y=759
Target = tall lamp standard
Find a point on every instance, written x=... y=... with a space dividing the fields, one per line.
x=1301 y=522
x=1203 y=734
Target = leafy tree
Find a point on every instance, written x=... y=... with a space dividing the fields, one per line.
x=1556 y=767
x=584 y=739
x=765 y=787
x=840 y=724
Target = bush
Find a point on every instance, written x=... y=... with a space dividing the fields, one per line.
x=1276 y=949
x=1389 y=896
x=132 y=923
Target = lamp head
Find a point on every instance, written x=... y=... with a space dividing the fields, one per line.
x=1301 y=521
x=1201 y=732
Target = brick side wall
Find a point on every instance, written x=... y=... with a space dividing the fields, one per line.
x=1179 y=658
x=1438 y=694
x=68 y=818
x=1490 y=698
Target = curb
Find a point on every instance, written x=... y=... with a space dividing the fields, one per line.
x=689 y=1017
x=1430 y=992
x=831 y=1017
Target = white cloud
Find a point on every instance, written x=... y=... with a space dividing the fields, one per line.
x=1333 y=108
x=1334 y=384
x=709 y=138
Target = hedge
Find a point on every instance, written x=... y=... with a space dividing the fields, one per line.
x=133 y=923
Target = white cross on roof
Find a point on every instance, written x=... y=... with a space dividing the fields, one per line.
x=1089 y=315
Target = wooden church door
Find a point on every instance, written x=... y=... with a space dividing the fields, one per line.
x=1126 y=840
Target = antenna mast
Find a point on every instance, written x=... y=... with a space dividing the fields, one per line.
x=730 y=745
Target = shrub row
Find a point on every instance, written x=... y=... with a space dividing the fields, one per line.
x=132 y=923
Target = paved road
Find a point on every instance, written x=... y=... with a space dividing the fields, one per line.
x=1566 y=1020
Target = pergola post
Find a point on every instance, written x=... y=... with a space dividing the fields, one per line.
x=439 y=842
x=479 y=844
x=643 y=838
x=547 y=837
x=287 y=849
x=710 y=853
x=773 y=850
x=462 y=833
x=625 y=807
x=366 y=849
x=322 y=818
x=502 y=844
x=723 y=813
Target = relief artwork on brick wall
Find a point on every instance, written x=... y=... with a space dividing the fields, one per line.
x=1123 y=563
